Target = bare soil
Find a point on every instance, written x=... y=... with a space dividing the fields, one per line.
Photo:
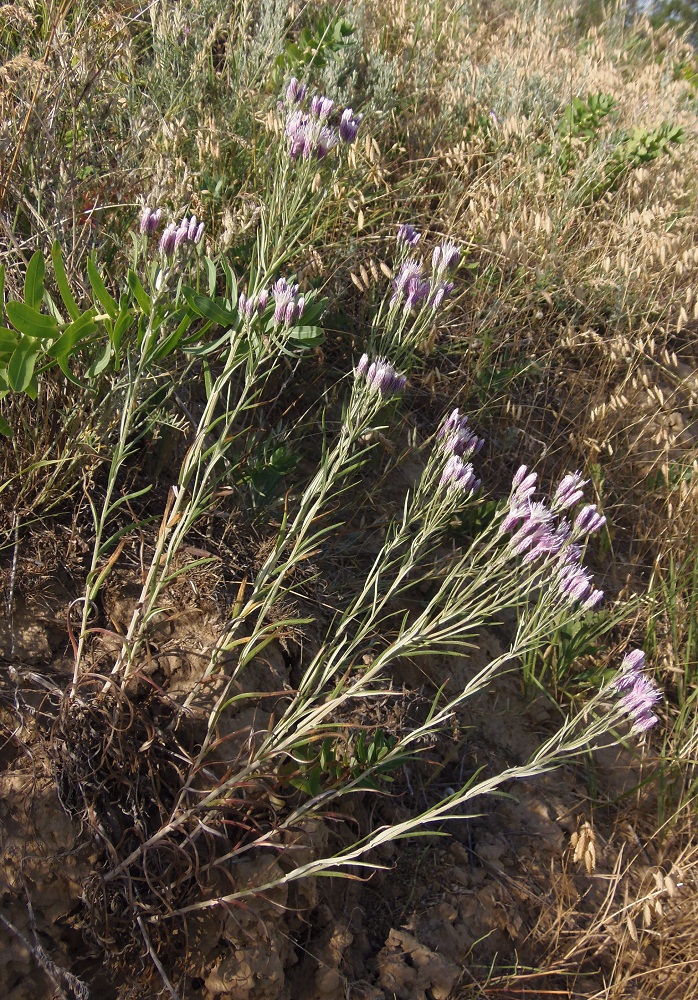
x=431 y=922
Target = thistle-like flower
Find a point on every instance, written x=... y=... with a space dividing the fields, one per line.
x=295 y=92
x=150 y=220
x=408 y=235
x=380 y=376
x=569 y=491
x=286 y=310
x=444 y=257
x=321 y=106
x=641 y=693
x=349 y=125
x=168 y=240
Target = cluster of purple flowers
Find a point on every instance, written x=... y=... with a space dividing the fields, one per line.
x=459 y=475
x=641 y=693
x=411 y=285
x=309 y=133
x=254 y=305
x=380 y=376
x=150 y=220
x=188 y=231
x=537 y=534
x=287 y=309
x=457 y=438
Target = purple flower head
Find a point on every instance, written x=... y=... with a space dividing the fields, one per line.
x=575 y=583
x=631 y=668
x=192 y=228
x=145 y=220
x=349 y=125
x=242 y=302
x=167 y=240
x=295 y=123
x=199 y=234
x=326 y=140
x=445 y=256
x=362 y=366
x=588 y=521
x=459 y=475
x=321 y=106
x=441 y=292
x=291 y=313
x=641 y=693
x=642 y=696
x=594 y=598
x=182 y=233
x=569 y=491
x=262 y=300
x=381 y=377
x=409 y=270
x=295 y=92
x=408 y=234
x=519 y=477
x=417 y=290
x=454 y=421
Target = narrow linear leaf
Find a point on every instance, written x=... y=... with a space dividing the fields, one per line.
x=98 y=287
x=62 y=281
x=5 y=427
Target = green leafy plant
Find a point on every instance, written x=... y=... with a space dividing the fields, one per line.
x=313 y=48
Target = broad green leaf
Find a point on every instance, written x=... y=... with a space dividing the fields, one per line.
x=22 y=362
x=308 y=336
x=62 y=281
x=63 y=365
x=8 y=340
x=2 y=293
x=169 y=343
x=78 y=331
x=98 y=287
x=98 y=366
x=5 y=427
x=30 y=322
x=139 y=292
x=34 y=280
x=203 y=306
